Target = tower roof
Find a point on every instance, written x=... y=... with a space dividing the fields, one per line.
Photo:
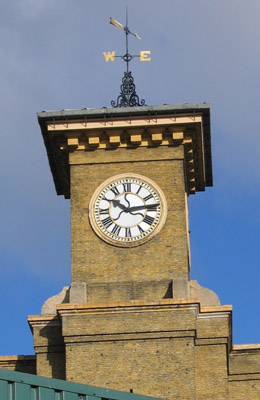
x=58 y=126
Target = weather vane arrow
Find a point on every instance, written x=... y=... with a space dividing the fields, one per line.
x=128 y=96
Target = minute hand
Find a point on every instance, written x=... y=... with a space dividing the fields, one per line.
x=148 y=206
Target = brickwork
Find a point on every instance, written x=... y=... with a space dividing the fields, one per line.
x=49 y=346
x=170 y=349
x=211 y=372
x=157 y=367
x=244 y=388
x=147 y=348
x=166 y=256
x=51 y=363
x=25 y=364
x=141 y=290
x=244 y=378
x=173 y=349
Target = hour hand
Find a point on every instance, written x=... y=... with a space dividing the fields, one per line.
x=143 y=207
x=116 y=203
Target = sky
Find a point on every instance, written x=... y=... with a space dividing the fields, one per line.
x=51 y=56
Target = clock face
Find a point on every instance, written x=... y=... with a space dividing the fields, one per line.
x=127 y=210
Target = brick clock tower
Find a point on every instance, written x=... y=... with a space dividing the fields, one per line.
x=132 y=319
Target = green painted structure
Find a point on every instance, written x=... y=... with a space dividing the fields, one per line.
x=20 y=386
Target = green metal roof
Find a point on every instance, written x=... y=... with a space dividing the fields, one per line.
x=20 y=386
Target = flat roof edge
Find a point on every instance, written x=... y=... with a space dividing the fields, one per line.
x=107 y=114
x=166 y=108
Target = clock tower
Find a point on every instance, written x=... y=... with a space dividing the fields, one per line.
x=131 y=318
x=128 y=173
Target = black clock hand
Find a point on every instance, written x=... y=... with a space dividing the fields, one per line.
x=121 y=212
x=116 y=203
x=148 y=206
x=142 y=215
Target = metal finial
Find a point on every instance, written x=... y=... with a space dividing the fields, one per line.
x=127 y=96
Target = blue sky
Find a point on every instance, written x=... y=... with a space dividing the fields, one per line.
x=51 y=59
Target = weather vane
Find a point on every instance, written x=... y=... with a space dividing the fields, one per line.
x=128 y=96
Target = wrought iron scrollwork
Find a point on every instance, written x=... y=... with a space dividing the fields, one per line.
x=128 y=96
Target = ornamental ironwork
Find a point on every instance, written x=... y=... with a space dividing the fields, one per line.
x=127 y=96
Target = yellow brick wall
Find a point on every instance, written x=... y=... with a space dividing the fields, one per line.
x=127 y=291
x=245 y=389
x=244 y=361
x=25 y=364
x=244 y=369
x=162 y=367
x=149 y=350
x=211 y=372
x=166 y=255
x=49 y=346
x=170 y=349
x=51 y=364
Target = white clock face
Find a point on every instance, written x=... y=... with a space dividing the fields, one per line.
x=127 y=210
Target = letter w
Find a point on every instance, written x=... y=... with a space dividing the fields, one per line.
x=110 y=56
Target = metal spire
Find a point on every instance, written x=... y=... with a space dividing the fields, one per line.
x=127 y=96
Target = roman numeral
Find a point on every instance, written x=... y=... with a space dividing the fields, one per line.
x=103 y=211
x=148 y=220
x=128 y=232
x=148 y=197
x=152 y=207
x=115 y=191
x=116 y=230
x=140 y=229
x=140 y=187
x=127 y=187
x=107 y=222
